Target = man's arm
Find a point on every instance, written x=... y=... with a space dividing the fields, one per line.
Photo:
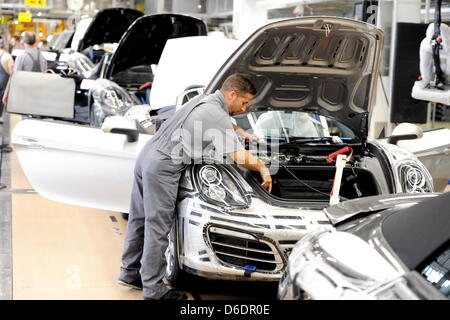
x=9 y=64
x=6 y=93
x=9 y=70
x=16 y=66
x=250 y=162
x=241 y=132
x=230 y=143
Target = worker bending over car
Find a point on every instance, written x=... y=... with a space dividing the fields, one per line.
x=182 y=139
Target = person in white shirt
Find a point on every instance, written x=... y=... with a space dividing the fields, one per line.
x=31 y=60
x=6 y=68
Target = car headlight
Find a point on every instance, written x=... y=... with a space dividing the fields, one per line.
x=320 y=267
x=414 y=178
x=217 y=186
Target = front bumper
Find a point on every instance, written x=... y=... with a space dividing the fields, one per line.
x=250 y=244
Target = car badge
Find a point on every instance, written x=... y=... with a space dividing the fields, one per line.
x=327 y=28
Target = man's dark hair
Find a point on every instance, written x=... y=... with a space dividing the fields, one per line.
x=239 y=83
x=17 y=38
x=29 y=37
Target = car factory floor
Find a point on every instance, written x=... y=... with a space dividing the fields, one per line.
x=50 y=250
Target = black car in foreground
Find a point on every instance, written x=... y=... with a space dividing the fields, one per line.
x=395 y=247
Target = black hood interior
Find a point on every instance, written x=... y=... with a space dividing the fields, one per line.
x=323 y=65
x=108 y=26
x=144 y=41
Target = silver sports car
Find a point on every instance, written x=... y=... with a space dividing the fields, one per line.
x=315 y=79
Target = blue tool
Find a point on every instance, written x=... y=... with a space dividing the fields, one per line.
x=250 y=268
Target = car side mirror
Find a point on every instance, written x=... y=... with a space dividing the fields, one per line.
x=405 y=131
x=121 y=125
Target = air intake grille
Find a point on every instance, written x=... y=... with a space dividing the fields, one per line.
x=244 y=253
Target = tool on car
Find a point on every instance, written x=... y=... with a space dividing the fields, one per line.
x=341 y=160
x=146 y=85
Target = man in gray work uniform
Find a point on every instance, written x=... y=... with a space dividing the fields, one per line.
x=30 y=60
x=158 y=170
x=6 y=67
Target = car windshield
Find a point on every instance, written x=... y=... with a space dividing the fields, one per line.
x=287 y=125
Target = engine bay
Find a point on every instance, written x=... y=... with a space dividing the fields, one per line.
x=303 y=172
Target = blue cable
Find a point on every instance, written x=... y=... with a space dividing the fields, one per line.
x=274 y=138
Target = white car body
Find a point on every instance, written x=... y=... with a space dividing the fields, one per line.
x=77 y=164
x=91 y=168
x=199 y=58
x=80 y=31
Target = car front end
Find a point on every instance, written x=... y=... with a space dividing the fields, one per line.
x=226 y=231
x=315 y=79
x=229 y=227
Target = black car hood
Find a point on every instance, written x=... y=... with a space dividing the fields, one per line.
x=414 y=234
x=144 y=41
x=324 y=65
x=108 y=26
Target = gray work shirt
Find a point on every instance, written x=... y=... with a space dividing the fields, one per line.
x=202 y=125
x=25 y=63
x=208 y=132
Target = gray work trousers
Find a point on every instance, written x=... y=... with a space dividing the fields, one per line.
x=151 y=217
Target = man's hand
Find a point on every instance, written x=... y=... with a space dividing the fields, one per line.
x=247 y=160
x=267 y=179
x=247 y=136
x=251 y=138
x=6 y=93
x=5 y=99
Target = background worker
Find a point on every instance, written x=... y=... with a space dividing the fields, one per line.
x=43 y=45
x=158 y=170
x=6 y=69
x=30 y=60
x=15 y=43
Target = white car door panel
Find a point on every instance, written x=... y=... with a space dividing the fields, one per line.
x=77 y=164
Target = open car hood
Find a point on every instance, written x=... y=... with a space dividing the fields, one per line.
x=61 y=40
x=194 y=61
x=324 y=65
x=144 y=41
x=108 y=26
